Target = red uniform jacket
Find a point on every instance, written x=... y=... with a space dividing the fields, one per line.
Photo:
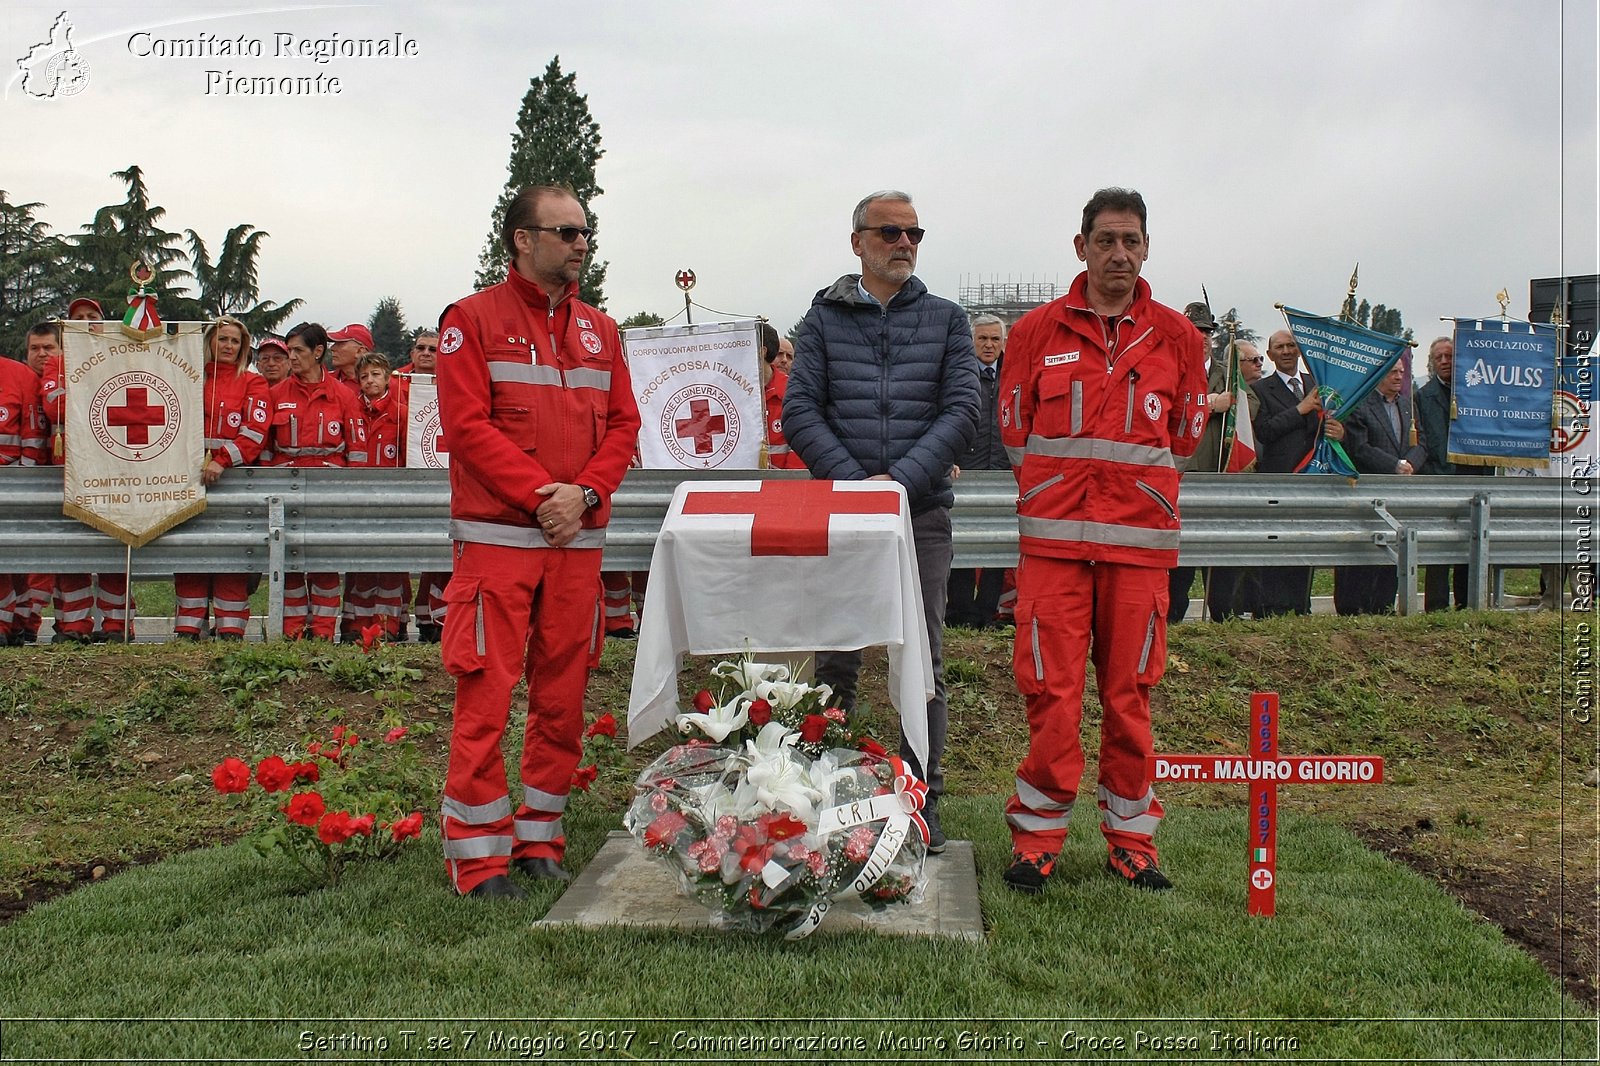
x=22 y=426
x=320 y=424
x=1092 y=414
x=53 y=399
x=386 y=441
x=779 y=457
x=531 y=394
x=238 y=413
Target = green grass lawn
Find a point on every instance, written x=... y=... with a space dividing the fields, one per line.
x=221 y=953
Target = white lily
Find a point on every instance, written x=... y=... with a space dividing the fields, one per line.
x=718 y=722
x=781 y=783
x=747 y=674
x=785 y=694
x=824 y=772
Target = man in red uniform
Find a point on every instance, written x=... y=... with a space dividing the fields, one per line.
x=345 y=349
x=536 y=403
x=429 y=605
x=1100 y=390
x=22 y=443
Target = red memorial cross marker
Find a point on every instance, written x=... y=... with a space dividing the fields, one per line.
x=137 y=416
x=699 y=426
x=791 y=517
x=1264 y=769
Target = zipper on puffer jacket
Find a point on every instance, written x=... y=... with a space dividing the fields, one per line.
x=1150 y=491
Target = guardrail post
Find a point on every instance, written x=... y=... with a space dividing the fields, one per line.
x=1478 y=554
x=1405 y=565
x=275 y=567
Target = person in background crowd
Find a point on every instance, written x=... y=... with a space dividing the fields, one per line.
x=22 y=443
x=974 y=595
x=345 y=349
x=315 y=423
x=377 y=598
x=272 y=360
x=429 y=605
x=1219 y=398
x=1433 y=432
x=1102 y=390
x=43 y=340
x=774 y=383
x=85 y=309
x=236 y=419
x=1376 y=440
x=885 y=387
x=1235 y=590
x=785 y=358
x=541 y=429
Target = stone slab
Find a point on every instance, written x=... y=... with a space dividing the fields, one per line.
x=622 y=885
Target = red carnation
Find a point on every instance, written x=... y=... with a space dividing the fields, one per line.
x=871 y=747
x=703 y=701
x=760 y=713
x=409 y=826
x=305 y=808
x=274 y=775
x=812 y=729
x=335 y=828
x=664 y=830
x=584 y=776
x=231 y=775
x=362 y=826
x=395 y=734
x=604 y=726
x=305 y=773
x=835 y=714
x=371 y=637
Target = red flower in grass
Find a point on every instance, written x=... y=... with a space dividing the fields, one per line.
x=336 y=827
x=812 y=729
x=305 y=808
x=584 y=776
x=274 y=775
x=664 y=830
x=868 y=746
x=604 y=726
x=760 y=713
x=371 y=637
x=305 y=773
x=409 y=826
x=395 y=735
x=231 y=775
x=363 y=826
x=703 y=701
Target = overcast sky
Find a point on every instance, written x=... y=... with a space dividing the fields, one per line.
x=1449 y=146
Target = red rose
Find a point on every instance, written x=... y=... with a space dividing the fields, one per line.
x=871 y=747
x=584 y=776
x=335 y=827
x=274 y=775
x=231 y=775
x=395 y=734
x=305 y=808
x=409 y=826
x=362 y=826
x=305 y=773
x=703 y=701
x=604 y=726
x=664 y=830
x=812 y=729
x=760 y=713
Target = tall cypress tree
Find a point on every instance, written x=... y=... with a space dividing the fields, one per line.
x=388 y=326
x=557 y=142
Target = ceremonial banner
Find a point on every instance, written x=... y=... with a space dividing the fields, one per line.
x=1238 y=432
x=425 y=446
x=1574 y=444
x=699 y=393
x=1502 y=387
x=1347 y=361
x=135 y=442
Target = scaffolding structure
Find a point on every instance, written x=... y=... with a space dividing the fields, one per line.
x=1008 y=300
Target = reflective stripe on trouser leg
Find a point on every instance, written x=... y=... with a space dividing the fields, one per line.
x=115 y=603
x=230 y=604
x=429 y=606
x=1049 y=657
x=358 y=600
x=324 y=589
x=618 y=600
x=389 y=603
x=557 y=673
x=8 y=603
x=193 y=597
x=296 y=605
x=74 y=603
x=1130 y=654
x=477 y=839
x=30 y=608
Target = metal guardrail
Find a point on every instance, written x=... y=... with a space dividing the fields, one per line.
x=277 y=520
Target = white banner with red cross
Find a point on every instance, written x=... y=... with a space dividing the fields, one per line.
x=425 y=446
x=699 y=394
x=135 y=440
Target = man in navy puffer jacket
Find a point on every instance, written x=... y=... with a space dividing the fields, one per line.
x=885 y=386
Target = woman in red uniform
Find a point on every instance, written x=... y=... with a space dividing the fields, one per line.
x=235 y=428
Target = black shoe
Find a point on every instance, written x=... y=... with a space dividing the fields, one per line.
x=193 y=638
x=936 y=838
x=100 y=636
x=230 y=636
x=498 y=887
x=1029 y=870
x=623 y=634
x=70 y=638
x=1138 y=869
x=541 y=869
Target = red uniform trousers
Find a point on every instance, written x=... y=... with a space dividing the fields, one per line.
x=515 y=612
x=618 y=599
x=227 y=596
x=1068 y=610
x=310 y=605
x=73 y=599
x=32 y=592
x=379 y=598
x=1006 y=610
x=429 y=606
x=16 y=596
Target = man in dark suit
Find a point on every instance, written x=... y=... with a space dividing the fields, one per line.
x=1376 y=436
x=1286 y=432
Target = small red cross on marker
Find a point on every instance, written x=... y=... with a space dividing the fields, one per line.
x=791 y=517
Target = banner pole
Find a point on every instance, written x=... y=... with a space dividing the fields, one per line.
x=127 y=593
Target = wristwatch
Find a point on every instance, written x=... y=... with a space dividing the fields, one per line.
x=591 y=498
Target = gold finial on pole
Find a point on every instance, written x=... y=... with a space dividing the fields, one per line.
x=1348 y=311
x=1503 y=298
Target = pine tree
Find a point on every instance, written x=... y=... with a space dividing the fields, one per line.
x=642 y=318
x=229 y=285
x=389 y=334
x=120 y=235
x=557 y=142
x=36 y=276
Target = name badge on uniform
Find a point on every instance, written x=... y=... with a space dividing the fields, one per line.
x=1061 y=359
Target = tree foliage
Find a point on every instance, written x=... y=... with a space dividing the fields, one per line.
x=1379 y=318
x=389 y=333
x=229 y=285
x=35 y=275
x=557 y=142
x=642 y=318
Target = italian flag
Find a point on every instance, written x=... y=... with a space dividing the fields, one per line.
x=1237 y=431
x=1261 y=855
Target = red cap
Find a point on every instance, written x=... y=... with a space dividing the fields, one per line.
x=355 y=331
x=93 y=305
x=271 y=342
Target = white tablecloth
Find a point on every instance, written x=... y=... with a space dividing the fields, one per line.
x=709 y=595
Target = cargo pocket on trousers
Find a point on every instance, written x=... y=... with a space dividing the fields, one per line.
x=1027 y=655
x=463 y=647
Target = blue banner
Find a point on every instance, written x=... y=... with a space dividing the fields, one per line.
x=1347 y=361
x=1502 y=385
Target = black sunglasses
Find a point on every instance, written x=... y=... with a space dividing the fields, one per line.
x=891 y=234
x=566 y=233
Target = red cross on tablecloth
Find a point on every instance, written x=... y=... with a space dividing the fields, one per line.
x=791 y=517
x=700 y=425
x=137 y=416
